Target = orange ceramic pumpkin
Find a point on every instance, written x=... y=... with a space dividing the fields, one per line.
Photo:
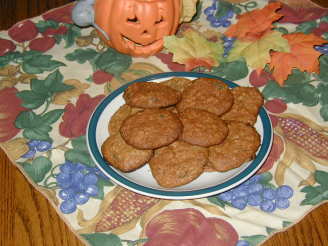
x=137 y=27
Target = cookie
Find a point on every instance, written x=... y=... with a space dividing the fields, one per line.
x=178 y=164
x=202 y=128
x=208 y=94
x=239 y=147
x=119 y=116
x=123 y=156
x=151 y=128
x=151 y=95
x=178 y=83
x=246 y=106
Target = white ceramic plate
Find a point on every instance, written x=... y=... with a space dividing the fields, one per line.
x=141 y=180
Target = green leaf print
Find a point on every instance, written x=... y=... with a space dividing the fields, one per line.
x=316 y=194
x=102 y=183
x=113 y=62
x=38 y=169
x=36 y=62
x=43 y=90
x=102 y=239
x=254 y=240
x=72 y=33
x=231 y=70
x=11 y=56
x=297 y=89
x=44 y=25
x=306 y=27
x=323 y=75
x=37 y=126
x=82 y=55
x=324 y=112
x=79 y=153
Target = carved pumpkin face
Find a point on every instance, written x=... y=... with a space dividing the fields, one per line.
x=137 y=27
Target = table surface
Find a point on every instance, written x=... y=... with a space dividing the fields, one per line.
x=27 y=218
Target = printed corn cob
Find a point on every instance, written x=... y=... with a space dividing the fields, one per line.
x=306 y=144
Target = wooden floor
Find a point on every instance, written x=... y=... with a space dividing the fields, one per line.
x=27 y=219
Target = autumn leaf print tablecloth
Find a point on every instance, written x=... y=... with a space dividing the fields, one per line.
x=53 y=74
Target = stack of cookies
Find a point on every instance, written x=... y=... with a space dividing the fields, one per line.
x=182 y=128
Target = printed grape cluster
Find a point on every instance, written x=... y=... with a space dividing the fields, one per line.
x=227 y=44
x=36 y=146
x=223 y=21
x=254 y=193
x=77 y=183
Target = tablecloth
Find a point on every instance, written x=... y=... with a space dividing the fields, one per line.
x=53 y=74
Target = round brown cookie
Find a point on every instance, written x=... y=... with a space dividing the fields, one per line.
x=178 y=164
x=151 y=128
x=150 y=95
x=119 y=116
x=209 y=94
x=123 y=156
x=239 y=113
x=239 y=147
x=246 y=106
x=202 y=128
x=178 y=83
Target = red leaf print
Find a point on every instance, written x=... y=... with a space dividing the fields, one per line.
x=300 y=15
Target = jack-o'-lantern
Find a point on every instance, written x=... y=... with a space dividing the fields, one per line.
x=137 y=27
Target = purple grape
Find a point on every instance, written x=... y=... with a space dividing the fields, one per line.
x=284 y=191
x=242 y=243
x=92 y=190
x=66 y=194
x=211 y=18
x=226 y=23
x=269 y=194
x=29 y=154
x=240 y=191
x=68 y=206
x=230 y=14
x=282 y=203
x=216 y=23
x=322 y=48
x=225 y=196
x=254 y=200
x=255 y=178
x=239 y=203
x=210 y=11
x=255 y=188
x=67 y=167
x=64 y=180
x=77 y=177
x=80 y=187
x=33 y=143
x=43 y=146
x=81 y=198
x=268 y=206
x=90 y=179
x=80 y=167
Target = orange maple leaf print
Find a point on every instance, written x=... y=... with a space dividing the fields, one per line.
x=302 y=55
x=253 y=25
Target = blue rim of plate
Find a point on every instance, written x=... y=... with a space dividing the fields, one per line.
x=158 y=193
